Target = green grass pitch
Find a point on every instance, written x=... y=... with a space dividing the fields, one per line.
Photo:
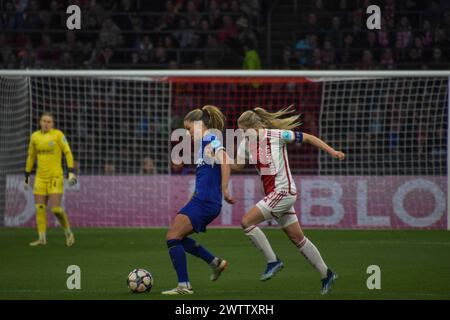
x=414 y=265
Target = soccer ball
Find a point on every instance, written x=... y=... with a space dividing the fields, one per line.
x=140 y=280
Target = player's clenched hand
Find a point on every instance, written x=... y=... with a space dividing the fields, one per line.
x=228 y=198
x=26 y=182
x=339 y=155
x=72 y=179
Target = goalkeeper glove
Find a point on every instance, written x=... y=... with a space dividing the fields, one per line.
x=26 y=182
x=72 y=179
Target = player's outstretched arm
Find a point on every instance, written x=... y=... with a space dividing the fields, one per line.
x=319 y=143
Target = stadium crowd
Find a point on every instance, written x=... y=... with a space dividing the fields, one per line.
x=222 y=34
x=128 y=34
x=414 y=35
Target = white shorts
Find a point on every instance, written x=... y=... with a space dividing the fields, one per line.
x=279 y=206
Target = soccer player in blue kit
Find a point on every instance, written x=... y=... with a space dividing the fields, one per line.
x=212 y=175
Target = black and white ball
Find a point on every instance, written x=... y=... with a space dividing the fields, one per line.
x=139 y=281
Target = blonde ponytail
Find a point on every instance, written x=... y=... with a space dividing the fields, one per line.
x=216 y=117
x=210 y=115
x=261 y=118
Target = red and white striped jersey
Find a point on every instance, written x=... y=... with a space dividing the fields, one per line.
x=269 y=155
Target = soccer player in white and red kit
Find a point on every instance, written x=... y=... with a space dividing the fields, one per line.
x=265 y=146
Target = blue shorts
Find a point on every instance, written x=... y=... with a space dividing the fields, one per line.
x=201 y=213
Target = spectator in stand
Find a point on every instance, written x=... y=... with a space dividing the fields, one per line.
x=389 y=13
x=383 y=36
x=304 y=48
x=136 y=62
x=251 y=8
x=359 y=28
x=124 y=12
x=192 y=12
x=387 y=60
x=404 y=38
x=110 y=34
x=160 y=57
x=371 y=41
x=228 y=29
x=91 y=30
x=404 y=32
x=427 y=34
x=312 y=24
x=335 y=33
x=343 y=10
x=8 y=18
x=245 y=33
x=145 y=49
x=71 y=44
x=235 y=10
x=414 y=59
x=109 y=169
x=348 y=54
x=184 y=34
x=204 y=31
x=319 y=11
x=287 y=59
x=46 y=53
x=328 y=53
x=32 y=19
x=172 y=65
x=316 y=62
x=215 y=52
x=214 y=14
x=367 y=62
x=67 y=60
x=26 y=55
x=437 y=61
x=168 y=18
x=251 y=58
x=440 y=38
x=147 y=166
x=133 y=40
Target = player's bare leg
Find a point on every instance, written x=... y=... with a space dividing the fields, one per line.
x=60 y=214
x=259 y=239
x=312 y=254
x=41 y=220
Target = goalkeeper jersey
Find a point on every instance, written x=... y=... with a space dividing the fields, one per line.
x=47 y=148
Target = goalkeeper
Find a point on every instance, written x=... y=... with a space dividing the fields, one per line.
x=47 y=145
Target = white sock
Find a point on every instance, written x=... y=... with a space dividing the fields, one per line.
x=310 y=252
x=184 y=284
x=259 y=239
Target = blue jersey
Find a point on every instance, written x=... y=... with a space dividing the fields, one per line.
x=208 y=180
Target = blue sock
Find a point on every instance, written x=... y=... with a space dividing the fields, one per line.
x=178 y=256
x=196 y=250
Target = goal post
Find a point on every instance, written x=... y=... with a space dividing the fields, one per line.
x=392 y=125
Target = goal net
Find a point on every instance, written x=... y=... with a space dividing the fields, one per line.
x=393 y=130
